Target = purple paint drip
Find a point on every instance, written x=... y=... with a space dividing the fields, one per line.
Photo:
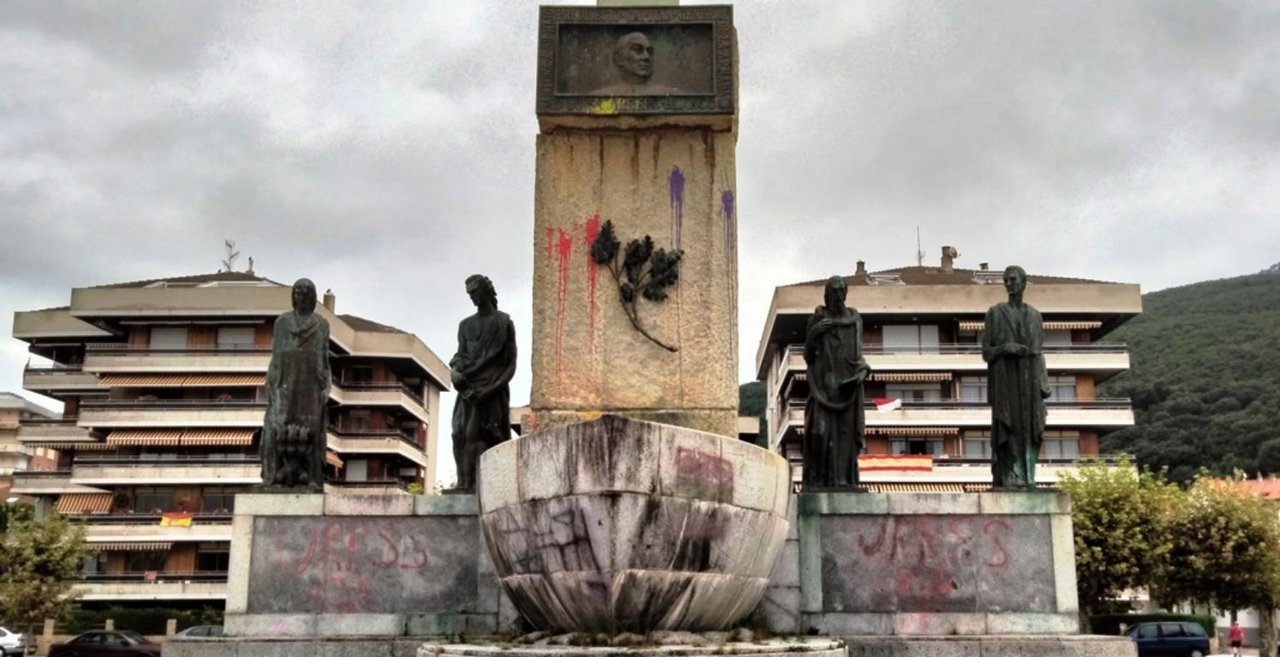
x=726 y=203
x=675 y=184
x=730 y=226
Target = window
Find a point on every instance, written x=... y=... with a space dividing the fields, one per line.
x=1057 y=338
x=917 y=447
x=973 y=389
x=1060 y=445
x=1172 y=629
x=168 y=337
x=357 y=470
x=94 y=563
x=153 y=500
x=218 y=499
x=235 y=337
x=926 y=392
x=213 y=557
x=977 y=444
x=1062 y=388
x=140 y=562
x=360 y=374
x=1147 y=631
x=911 y=338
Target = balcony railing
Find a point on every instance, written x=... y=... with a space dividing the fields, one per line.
x=376 y=433
x=124 y=349
x=164 y=459
x=959 y=404
x=381 y=387
x=795 y=352
x=149 y=518
x=155 y=576
x=178 y=404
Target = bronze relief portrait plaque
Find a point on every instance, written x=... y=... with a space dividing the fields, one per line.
x=646 y=60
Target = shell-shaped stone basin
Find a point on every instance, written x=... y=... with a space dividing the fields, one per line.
x=618 y=525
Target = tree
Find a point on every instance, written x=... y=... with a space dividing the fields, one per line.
x=1228 y=550
x=1121 y=519
x=38 y=561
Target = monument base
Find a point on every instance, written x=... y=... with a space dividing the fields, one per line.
x=770 y=648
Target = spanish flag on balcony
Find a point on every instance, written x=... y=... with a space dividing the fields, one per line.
x=175 y=519
x=895 y=463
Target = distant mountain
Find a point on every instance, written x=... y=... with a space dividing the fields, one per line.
x=1204 y=378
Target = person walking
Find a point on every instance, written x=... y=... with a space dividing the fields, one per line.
x=1235 y=634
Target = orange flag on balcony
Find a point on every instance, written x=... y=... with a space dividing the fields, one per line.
x=175 y=519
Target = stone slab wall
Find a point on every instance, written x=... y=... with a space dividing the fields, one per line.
x=361 y=565
x=926 y=564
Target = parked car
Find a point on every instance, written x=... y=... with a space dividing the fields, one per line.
x=106 y=643
x=200 y=632
x=11 y=643
x=1169 y=639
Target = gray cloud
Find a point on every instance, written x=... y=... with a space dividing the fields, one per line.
x=386 y=150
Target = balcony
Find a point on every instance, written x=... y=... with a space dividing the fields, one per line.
x=1102 y=359
x=108 y=473
x=125 y=358
x=60 y=378
x=119 y=528
x=48 y=482
x=57 y=434
x=1097 y=413
x=172 y=413
x=368 y=441
x=151 y=585
x=380 y=394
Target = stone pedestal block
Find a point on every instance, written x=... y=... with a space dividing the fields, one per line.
x=620 y=525
x=359 y=565
x=676 y=184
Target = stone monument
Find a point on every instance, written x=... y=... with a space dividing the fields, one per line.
x=293 y=431
x=481 y=372
x=834 y=419
x=637 y=116
x=1017 y=384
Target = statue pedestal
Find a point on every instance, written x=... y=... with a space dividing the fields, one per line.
x=616 y=525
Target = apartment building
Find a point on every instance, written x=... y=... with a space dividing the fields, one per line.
x=14 y=456
x=162 y=384
x=921 y=327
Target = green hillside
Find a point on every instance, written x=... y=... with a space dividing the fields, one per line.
x=1204 y=378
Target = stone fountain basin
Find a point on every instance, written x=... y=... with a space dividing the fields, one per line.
x=616 y=525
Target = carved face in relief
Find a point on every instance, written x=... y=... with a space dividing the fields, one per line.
x=1015 y=279
x=633 y=55
x=304 y=296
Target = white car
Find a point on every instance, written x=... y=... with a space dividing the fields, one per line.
x=12 y=644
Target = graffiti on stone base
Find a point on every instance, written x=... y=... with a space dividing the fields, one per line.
x=703 y=475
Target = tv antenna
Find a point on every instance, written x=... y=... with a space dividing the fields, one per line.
x=229 y=264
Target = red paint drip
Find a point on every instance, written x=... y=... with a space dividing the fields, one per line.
x=593 y=229
x=564 y=248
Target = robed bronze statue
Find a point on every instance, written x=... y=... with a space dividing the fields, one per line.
x=293 y=431
x=481 y=372
x=1017 y=384
x=834 y=420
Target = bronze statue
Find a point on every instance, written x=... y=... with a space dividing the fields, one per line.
x=481 y=370
x=1017 y=384
x=633 y=57
x=293 y=431
x=834 y=420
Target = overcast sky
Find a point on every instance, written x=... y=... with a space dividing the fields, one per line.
x=386 y=149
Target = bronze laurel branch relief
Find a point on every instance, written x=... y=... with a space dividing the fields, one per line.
x=644 y=271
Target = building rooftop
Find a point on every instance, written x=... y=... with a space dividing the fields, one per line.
x=196 y=280
x=361 y=324
x=9 y=400
x=919 y=275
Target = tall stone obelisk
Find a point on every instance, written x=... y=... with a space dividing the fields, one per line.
x=637 y=117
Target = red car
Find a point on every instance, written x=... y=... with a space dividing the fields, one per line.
x=106 y=643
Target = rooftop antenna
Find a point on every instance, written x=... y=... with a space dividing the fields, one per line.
x=919 y=252
x=230 y=262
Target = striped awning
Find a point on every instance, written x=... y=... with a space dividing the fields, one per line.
x=1048 y=326
x=913 y=431
x=71 y=503
x=915 y=487
x=151 y=546
x=332 y=459
x=899 y=463
x=83 y=447
x=144 y=437
x=180 y=380
x=911 y=377
x=218 y=437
